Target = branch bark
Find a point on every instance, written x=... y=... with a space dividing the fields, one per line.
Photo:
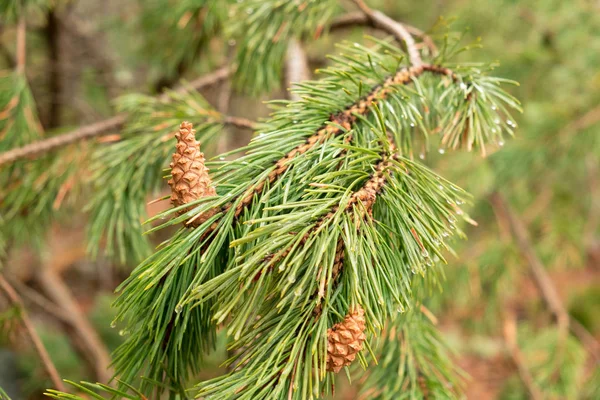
x=14 y=298
x=99 y=128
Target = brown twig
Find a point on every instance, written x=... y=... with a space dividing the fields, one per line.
x=399 y=31
x=21 y=55
x=240 y=122
x=40 y=301
x=358 y=18
x=102 y=127
x=510 y=337
x=14 y=298
x=540 y=276
x=296 y=66
x=90 y=344
x=52 y=36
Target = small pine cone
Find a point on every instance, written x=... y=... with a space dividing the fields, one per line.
x=345 y=340
x=190 y=180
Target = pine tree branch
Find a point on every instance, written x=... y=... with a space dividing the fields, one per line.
x=382 y=21
x=358 y=18
x=341 y=122
x=14 y=298
x=102 y=127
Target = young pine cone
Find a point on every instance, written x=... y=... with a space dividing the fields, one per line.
x=190 y=180
x=345 y=340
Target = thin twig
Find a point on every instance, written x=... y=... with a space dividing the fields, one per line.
x=21 y=55
x=240 y=122
x=510 y=337
x=91 y=345
x=540 y=276
x=358 y=18
x=35 y=298
x=296 y=67
x=102 y=127
x=14 y=298
x=399 y=31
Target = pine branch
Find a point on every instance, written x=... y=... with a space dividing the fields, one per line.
x=291 y=175
x=99 y=128
x=14 y=298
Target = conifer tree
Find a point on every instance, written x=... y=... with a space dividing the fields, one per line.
x=315 y=249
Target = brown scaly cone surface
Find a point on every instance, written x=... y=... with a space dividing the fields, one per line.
x=190 y=180
x=345 y=340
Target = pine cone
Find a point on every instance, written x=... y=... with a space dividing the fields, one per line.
x=345 y=339
x=190 y=180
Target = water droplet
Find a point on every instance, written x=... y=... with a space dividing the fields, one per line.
x=497 y=121
x=178 y=308
x=422 y=156
x=425 y=253
x=249 y=11
x=459 y=212
x=429 y=263
x=294 y=122
x=291 y=279
x=113 y=324
x=437 y=242
x=501 y=143
x=494 y=107
x=400 y=309
x=123 y=332
x=452 y=220
x=298 y=292
x=281 y=268
x=445 y=234
x=463 y=86
x=510 y=123
x=412 y=124
x=441 y=151
x=231 y=42
x=222 y=158
x=440 y=187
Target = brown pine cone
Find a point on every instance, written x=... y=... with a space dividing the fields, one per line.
x=345 y=340
x=190 y=180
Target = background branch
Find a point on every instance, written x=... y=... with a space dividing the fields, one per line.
x=102 y=127
x=382 y=21
x=358 y=18
x=540 y=276
x=296 y=67
x=14 y=298
x=510 y=338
